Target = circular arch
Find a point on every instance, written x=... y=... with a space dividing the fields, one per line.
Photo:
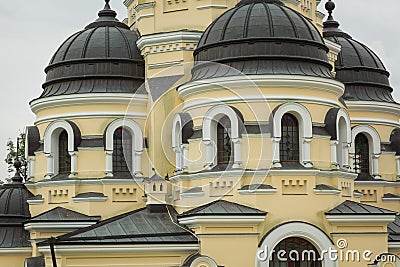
x=55 y=128
x=299 y=111
x=303 y=230
x=372 y=135
x=132 y=126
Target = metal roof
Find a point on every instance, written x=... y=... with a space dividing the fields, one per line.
x=394 y=230
x=142 y=226
x=261 y=37
x=60 y=214
x=35 y=262
x=354 y=208
x=224 y=208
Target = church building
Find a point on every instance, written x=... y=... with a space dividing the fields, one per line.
x=209 y=133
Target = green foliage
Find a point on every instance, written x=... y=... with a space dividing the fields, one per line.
x=12 y=154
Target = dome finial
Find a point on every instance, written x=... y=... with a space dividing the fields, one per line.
x=330 y=6
x=17 y=165
x=330 y=23
x=107 y=11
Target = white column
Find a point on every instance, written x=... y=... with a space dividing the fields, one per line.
x=185 y=156
x=50 y=166
x=345 y=156
x=398 y=166
x=352 y=157
x=307 y=152
x=31 y=167
x=334 y=160
x=275 y=152
x=137 y=167
x=237 y=153
x=210 y=151
x=74 y=163
x=178 y=160
x=375 y=166
x=109 y=167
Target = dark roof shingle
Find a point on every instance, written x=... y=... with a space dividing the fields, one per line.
x=354 y=208
x=62 y=214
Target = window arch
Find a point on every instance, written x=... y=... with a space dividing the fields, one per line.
x=299 y=252
x=305 y=132
x=71 y=139
x=210 y=128
x=374 y=149
x=122 y=150
x=182 y=130
x=289 y=147
x=134 y=140
x=361 y=154
x=64 y=159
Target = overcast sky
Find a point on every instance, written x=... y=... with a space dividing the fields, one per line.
x=31 y=32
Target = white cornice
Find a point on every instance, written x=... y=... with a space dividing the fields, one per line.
x=390 y=108
x=168 y=38
x=327 y=192
x=360 y=120
x=127 y=3
x=261 y=81
x=189 y=195
x=89 y=199
x=212 y=7
x=390 y=199
x=88 y=99
x=35 y=201
x=52 y=227
x=11 y=251
x=83 y=181
x=351 y=219
x=377 y=183
x=121 y=249
x=257 y=191
x=224 y=220
x=394 y=245
x=144 y=6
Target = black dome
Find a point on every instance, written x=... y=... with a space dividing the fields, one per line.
x=14 y=210
x=358 y=67
x=101 y=58
x=262 y=37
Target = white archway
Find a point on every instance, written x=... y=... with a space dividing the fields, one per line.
x=340 y=145
x=203 y=261
x=181 y=122
x=305 y=131
x=137 y=144
x=51 y=136
x=210 y=123
x=301 y=230
x=374 y=142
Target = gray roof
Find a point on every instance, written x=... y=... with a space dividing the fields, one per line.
x=354 y=208
x=142 y=226
x=194 y=190
x=325 y=187
x=89 y=194
x=60 y=214
x=222 y=207
x=394 y=230
x=390 y=195
x=256 y=187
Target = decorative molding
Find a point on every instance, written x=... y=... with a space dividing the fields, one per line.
x=35 y=201
x=360 y=120
x=357 y=219
x=234 y=219
x=122 y=249
x=390 y=108
x=89 y=199
x=212 y=7
x=168 y=38
x=377 y=183
x=127 y=3
x=51 y=227
x=327 y=192
x=258 y=191
x=333 y=47
x=264 y=81
x=88 y=99
x=144 y=6
x=164 y=65
x=82 y=182
x=195 y=194
x=11 y=251
x=145 y=16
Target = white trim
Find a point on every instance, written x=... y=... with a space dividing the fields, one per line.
x=145 y=16
x=376 y=183
x=390 y=199
x=334 y=48
x=89 y=199
x=211 y=219
x=327 y=192
x=263 y=81
x=51 y=227
x=35 y=201
x=305 y=132
x=121 y=249
x=210 y=123
x=297 y=229
x=360 y=120
x=10 y=251
x=394 y=245
x=257 y=191
x=88 y=99
x=137 y=145
x=144 y=6
x=190 y=195
x=168 y=38
x=91 y=115
x=389 y=108
x=351 y=219
x=340 y=157
x=100 y=181
x=164 y=65
x=212 y=6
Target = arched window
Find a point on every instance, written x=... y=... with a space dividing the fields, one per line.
x=64 y=159
x=224 y=143
x=122 y=150
x=361 y=154
x=289 y=145
x=299 y=253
